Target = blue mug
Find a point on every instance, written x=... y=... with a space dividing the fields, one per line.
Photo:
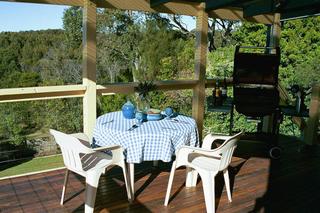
x=168 y=111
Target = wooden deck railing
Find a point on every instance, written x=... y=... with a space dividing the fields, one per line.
x=73 y=91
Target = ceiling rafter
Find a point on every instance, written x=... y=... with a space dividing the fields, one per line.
x=179 y=7
x=288 y=8
x=155 y=3
x=251 y=10
x=259 y=7
x=300 y=13
x=56 y=2
x=217 y=4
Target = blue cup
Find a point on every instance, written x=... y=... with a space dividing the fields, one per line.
x=168 y=111
x=139 y=117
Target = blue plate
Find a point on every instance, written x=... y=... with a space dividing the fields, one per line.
x=154 y=117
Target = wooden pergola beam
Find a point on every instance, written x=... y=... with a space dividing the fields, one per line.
x=237 y=14
x=183 y=8
x=54 y=2
x=176 y=7
x=155 y=3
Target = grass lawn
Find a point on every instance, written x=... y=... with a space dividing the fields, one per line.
x=30 y=165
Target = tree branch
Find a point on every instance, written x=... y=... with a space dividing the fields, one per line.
x=178 y=24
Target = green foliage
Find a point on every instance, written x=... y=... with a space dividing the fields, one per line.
x=156 y=36
x=50 y=113
x=16 y=122
x=180 y=101
x=72 y=24
x=18 y=79
x=308 y=72
x=185 y=58
x=111 y=103
x=250 y=34
x=300 y=51
x=220 y=62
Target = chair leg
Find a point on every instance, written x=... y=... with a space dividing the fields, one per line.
x=173 y=168
x=155 y=163
x=208 y=189
x=92 y=181
x=191 y=179
x=227 y=183
x=126 y=180
x=66 y=176
x=131 y=174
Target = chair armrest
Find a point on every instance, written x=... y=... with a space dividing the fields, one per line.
x=209 y=139
x=103 y=148
x=185 y=150
x=116 y=150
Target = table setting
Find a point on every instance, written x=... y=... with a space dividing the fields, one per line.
x=144 y=133
x=154 y=135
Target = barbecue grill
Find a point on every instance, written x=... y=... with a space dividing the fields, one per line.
x=255 y=84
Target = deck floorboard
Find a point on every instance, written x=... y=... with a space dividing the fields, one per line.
x=259 y=184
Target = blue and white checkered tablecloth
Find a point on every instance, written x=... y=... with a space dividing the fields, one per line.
x=153 y=140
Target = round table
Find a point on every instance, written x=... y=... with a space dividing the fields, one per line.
x=152 y=141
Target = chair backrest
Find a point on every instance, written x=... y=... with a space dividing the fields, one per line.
x=71 y=149
x=226 y=150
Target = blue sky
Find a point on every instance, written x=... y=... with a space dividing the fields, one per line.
x=22 y=16
x=25 y=16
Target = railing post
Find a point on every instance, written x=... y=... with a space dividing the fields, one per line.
x=89 y=66
x=200 y=68
x=311 y=130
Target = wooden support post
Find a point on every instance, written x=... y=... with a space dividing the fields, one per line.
x=273 y=42
x=276 y=30
x=311 y=131
x=89 y=66
x=200 y=68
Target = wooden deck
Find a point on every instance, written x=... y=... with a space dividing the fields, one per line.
x=291 y=184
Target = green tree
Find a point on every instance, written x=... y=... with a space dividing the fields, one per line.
x=72 y=24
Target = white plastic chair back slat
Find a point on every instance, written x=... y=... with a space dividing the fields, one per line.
x=71 y=149
x=226 y=150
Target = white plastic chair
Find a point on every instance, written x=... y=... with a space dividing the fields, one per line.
x=89 y=163
x=207 y=162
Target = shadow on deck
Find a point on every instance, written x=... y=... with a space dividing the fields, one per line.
x=290 y=184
